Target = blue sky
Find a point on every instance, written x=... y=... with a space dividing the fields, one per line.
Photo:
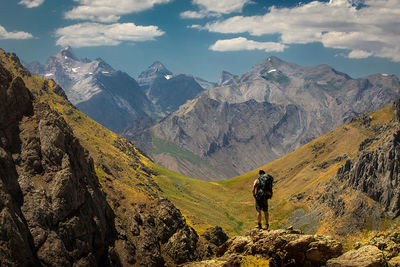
x=204 y=37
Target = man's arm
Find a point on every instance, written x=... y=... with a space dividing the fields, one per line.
x=255 y=186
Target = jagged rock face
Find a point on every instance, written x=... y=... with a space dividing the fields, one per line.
x=53 y=202
x=110 y=97
x=156 y=234
x=215 y=235
x=290 y=105
x=376 y=173
x=166 y=90
x=226 y=78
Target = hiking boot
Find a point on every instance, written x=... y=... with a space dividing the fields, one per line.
x=266 y=226
x=259 y=226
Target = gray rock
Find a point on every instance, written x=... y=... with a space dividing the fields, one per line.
x=367 y=256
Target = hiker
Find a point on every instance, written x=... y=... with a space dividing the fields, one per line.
x=262 y=191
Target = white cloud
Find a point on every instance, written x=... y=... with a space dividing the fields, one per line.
x=241 y=43
x=221 y=6
x=109 y=11
x=359 y=54
x=197 y=14
x=4 y=34
x=96 y=34
x=213 y=8
x=372 y=29
x=31 y=3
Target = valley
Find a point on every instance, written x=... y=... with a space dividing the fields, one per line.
x=164 y=215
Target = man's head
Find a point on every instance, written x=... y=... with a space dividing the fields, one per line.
x=261 y=172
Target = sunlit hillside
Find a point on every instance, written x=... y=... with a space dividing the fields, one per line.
x=299 y=177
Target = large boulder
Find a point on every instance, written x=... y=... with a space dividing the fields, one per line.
x=290 y=247
x=366 y=256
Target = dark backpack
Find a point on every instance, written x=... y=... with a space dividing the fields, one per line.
x=264 y=191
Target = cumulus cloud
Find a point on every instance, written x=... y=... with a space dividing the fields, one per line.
x=97 y=34
x=109 y=11
x=209 y=8
x=241 y=43
x=370 y=29
x=31 y=3
x=359 y=54
x=4 y=34
x=197 y=14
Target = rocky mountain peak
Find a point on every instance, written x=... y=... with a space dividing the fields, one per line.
x=158 y=67
x=269 y=65
x=156 y=70
x=66 y=53
x=226 y=78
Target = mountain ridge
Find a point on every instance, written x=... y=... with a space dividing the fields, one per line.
x=313 y=99
x=93 y=84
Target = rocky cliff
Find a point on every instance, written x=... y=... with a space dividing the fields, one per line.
x=376 y=171
x=262 y=115
x=64 y=200
x=53 y=212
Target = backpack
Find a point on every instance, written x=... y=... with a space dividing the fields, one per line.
x=264 y=191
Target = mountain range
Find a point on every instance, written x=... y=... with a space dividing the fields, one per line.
x=255 y=118
x=113 y=98
x=216 y=131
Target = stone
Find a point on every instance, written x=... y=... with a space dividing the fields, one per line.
x=365 y=256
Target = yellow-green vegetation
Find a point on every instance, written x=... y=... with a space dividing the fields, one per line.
x=253 y=261
x=164 y=147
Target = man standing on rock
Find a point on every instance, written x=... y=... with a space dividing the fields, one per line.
x=262 y=191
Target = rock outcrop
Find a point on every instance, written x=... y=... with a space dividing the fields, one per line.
x=293 y=248
x=381 y=250
x=53 y=210
x=376 y=171
x=279 y=247
x=365 y=256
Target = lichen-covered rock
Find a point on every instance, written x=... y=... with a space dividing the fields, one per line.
x=215 y=235
x=288 y=247
x=366 y=256
x=53 y=210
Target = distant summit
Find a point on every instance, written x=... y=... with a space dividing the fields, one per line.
x=67 y=53
x=226 y=78
x=158 y=67
x=167 y=90
x=156 y=71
